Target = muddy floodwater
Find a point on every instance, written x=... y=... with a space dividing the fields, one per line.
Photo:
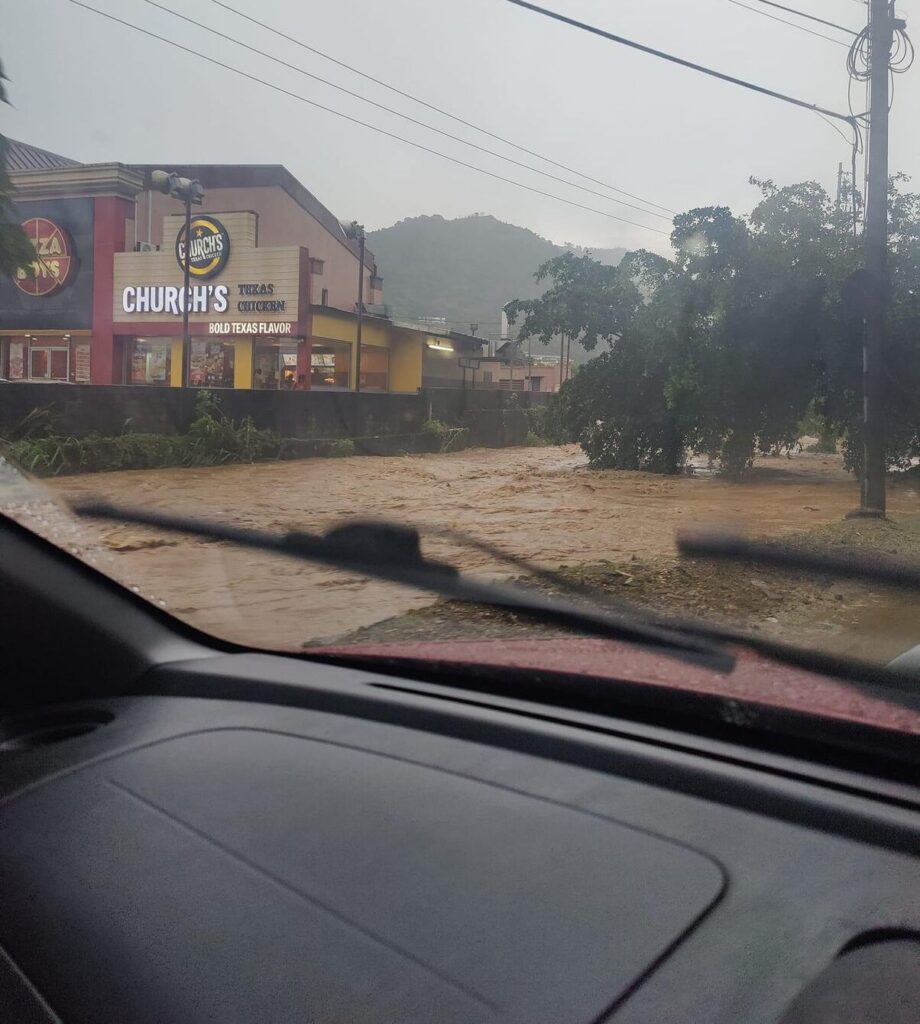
x=542 y=504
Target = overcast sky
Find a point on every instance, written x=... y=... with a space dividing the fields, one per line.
x=98 y=91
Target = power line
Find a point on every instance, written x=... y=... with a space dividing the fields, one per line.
x=810 y=17
x=364 y=124
x=763 y=90
x=791 y=24
x=431 y=106
x=841 y=133
x=396 y=113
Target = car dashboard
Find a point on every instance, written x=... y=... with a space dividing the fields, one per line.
x=246 y=837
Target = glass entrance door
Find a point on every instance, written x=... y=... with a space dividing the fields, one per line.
x=49 y=363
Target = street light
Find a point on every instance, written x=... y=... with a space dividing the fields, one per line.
x=354 y=230
x=188 y=191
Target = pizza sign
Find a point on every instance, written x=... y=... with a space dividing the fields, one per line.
x=54 y=258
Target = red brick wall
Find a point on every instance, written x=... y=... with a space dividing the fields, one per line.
x=110 y=214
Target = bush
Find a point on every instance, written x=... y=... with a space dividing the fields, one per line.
x=52 y=456
x=215 y=438
x=445 y=438
x=549 y=423
x=814 y=424
x=36 y=423
x=212 y=439
x=339 y=448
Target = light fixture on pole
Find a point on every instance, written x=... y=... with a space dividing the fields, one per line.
x=355 y=231
x=188 y=191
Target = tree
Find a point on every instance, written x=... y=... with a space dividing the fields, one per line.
x=724 y=347
x=16 y=251
x=618 y=305
x=586 y=301
x=841 y=399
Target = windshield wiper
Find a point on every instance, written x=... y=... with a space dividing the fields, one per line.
x=392 y=552
x=729 y=547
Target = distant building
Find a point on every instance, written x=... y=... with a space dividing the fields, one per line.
x=273 y=297
x=511 y=369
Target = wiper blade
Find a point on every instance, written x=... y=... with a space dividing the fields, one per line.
x=391 y=552
x=730 y=547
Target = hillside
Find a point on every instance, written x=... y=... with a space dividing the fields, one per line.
x=463 y=269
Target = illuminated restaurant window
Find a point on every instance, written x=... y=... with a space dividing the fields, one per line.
x=211 y=365
x=149 y=361
x=330 y=365
x=375 y=367
x=275 y=366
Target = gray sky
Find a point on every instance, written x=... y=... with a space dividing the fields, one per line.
x=97 y=91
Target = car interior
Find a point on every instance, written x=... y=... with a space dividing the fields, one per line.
x=192 y=831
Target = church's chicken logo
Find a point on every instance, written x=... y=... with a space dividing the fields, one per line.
x=209 y=249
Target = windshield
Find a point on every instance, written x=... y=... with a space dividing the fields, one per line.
x=555 y=282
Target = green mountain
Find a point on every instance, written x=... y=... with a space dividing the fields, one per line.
x=464 y=270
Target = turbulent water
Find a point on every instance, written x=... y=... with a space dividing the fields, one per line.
x=541 y=504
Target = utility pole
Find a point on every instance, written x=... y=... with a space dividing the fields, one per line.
x=187 y=191
x=360 y=308
x=187 y=292
x=839 y=184
x=875 y=240
x=354 y=230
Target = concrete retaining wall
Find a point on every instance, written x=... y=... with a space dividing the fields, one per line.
x=495 y=418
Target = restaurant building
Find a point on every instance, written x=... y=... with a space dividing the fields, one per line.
x=272 y=304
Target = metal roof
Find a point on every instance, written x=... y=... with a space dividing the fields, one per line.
x=20 y=156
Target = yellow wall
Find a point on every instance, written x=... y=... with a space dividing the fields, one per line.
x=242 y=363
x=337 y=328
x=405 y=346
x=406 y=362
x=175 y=364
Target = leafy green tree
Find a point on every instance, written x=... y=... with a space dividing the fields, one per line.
x=723 y=348
x=841 y=399
x=586 y=301
x=16 y=251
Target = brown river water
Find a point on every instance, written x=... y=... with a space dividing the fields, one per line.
x=542 y=504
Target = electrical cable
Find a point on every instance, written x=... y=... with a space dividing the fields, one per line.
x=791 y=24
x=810 y=17
x=623 y=41
x=859 y=57
x=432 y=107
x=364 y=124
x=396 y=113
x=859 y=69
x=839 y=131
